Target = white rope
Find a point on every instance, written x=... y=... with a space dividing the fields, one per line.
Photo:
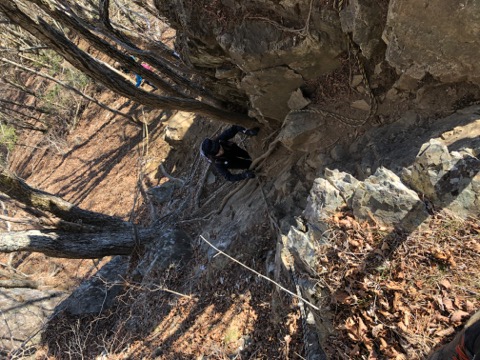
x=262 y=276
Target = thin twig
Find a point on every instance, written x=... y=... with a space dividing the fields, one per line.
x=67 y=86
x=262 y=276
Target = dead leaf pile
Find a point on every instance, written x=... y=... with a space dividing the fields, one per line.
x=394 y=295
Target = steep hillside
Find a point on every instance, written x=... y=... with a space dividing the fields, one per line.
x=358 y=239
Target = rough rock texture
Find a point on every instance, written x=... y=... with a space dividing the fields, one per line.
x=397 y=145
x=99 y=292
x=173 y=247
x=163 y=193
x=257 y=44
x=264 y=90
x=449 y=179
x=298 y=130
x=263 y=49
x=23 y=313
x=261 y=52
x=395 y=175
x=438 y=37
x=385 y=172
x=177 y=126
x=386 y=199
x=364 y=20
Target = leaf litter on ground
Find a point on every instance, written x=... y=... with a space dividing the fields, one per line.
x=394 y=295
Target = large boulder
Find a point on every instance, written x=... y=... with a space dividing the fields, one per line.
x=364 y=19
x=23 y=313
x=177 y=126
x=449 y=179
x=171 y=247
x=385 y=199
x=268 y=96
x=439 y=37
x=99 y=292
x=299 y=131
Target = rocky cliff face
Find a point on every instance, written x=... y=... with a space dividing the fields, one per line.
x=421 y=60
x=435 y=37
x=417 y=156
x=262 y=50
x=402 y=178
x=265 y=51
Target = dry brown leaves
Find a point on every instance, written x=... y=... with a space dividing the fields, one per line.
x=396 y=296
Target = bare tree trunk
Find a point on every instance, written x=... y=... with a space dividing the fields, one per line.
x=163 y=65
x=17 y=283
x=20 y=123
x=73 y=245
x=17 y=189
x=17 y=123
x=5 y=108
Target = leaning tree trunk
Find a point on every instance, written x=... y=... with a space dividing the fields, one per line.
x=96 y=235
x=74 y=245
x=101 y=73
x=19 y=190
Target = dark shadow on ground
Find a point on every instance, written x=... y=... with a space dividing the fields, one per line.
x=126 y=321
x=87 y=177
x=217 y=295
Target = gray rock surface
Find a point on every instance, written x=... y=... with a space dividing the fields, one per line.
x=385 y=199
x=395 y=175
x=363 y=18
x=268 y=96
x=163 y=193
x=98 y=293
x=177 y=126
x=23 y=313
x=397 y=145
x=299 y=129
x=264 y=58
x=345 y=183
x=449 y=179
x=438 y=37
x=323 y=201
x=174 y=246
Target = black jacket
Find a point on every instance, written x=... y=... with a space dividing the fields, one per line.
x=234 y=157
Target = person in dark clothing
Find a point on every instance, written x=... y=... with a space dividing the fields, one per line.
x=226 y=155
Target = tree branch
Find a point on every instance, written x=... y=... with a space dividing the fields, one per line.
x=19 y=87
x=16 y=122
x=5 y=108
x=16 y=283
x=25 y=106
x=73 y=246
